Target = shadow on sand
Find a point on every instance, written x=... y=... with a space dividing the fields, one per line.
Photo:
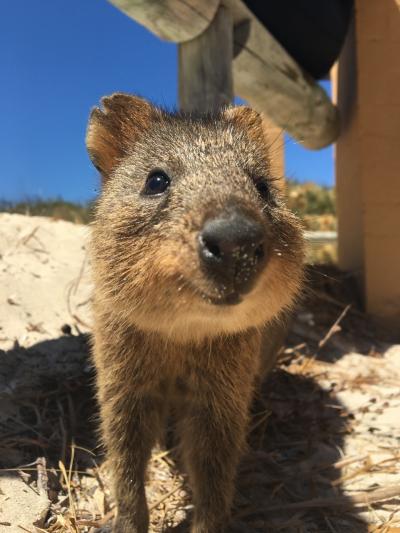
x=293 y=458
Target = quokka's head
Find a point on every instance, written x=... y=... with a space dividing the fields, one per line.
x=191 y=235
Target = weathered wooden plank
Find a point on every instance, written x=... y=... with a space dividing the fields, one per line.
x=264 y=73
x=348 y=163
x=172 y=20
x=205 y=66
x=272 y=82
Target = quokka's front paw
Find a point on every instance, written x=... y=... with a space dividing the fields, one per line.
x=208 y=528
x=126 y=525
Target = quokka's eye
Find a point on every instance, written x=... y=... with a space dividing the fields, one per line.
x=262 y=188
x=157 y=182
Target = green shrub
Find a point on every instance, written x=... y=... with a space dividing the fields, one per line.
x=310 y=199
x=57 y=209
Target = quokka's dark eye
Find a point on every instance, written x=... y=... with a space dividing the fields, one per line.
x=157 y=182
x=263 y=188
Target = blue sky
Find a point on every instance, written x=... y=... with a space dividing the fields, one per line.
x=57 y=58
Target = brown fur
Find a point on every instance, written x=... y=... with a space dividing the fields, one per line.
x=156 y=327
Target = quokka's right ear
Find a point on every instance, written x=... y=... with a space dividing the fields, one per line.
x=248 y=120
x=114 y=128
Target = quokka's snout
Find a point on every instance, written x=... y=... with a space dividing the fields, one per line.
x=194 y=256
x=233 y=251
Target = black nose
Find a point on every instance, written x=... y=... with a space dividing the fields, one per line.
x=232 y=250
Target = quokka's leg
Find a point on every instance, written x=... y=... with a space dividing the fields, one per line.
x=213 y=435
x=130 y=428
x=132 y=408
x=212 y=445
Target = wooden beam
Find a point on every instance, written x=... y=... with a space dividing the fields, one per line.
x=171 y=20
x=266 y=76
x=263 y=72
x=205 y=67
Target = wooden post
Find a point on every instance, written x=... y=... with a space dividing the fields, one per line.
x=275 y=140
x=378 y=52
x=347 y=161
x=205 y=66
x=368 y=157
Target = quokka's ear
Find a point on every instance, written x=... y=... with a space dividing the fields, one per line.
x=114 y=128
x=248 y=120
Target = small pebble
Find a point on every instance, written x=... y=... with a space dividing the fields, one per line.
x=66 y=329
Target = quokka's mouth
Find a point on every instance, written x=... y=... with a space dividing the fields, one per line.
x=233 y=298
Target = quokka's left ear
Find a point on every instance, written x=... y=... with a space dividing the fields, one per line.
x=114 y=128
x=248 y=120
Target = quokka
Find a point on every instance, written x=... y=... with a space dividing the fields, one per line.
x=195 y=256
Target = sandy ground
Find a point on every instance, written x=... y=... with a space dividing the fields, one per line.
x=44 y=279
x=324 y=448
x=44 y=289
